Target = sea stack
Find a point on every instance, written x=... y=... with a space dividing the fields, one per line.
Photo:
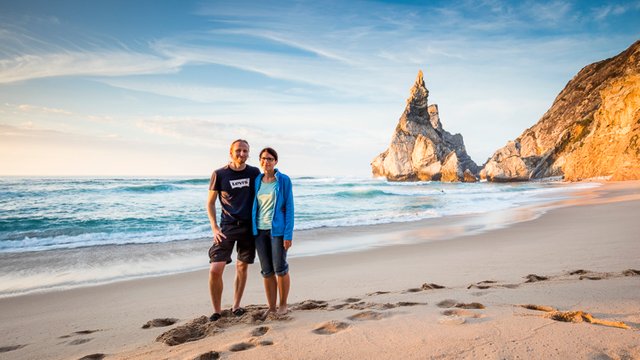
x=592 y=130
x=420 y=148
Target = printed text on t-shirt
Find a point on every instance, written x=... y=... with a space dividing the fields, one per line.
x=240 y=183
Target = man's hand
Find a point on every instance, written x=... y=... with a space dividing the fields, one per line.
x=218 y=236
x=287 y=244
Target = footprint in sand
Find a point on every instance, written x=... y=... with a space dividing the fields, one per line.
x=81 y=332
x=488 y=284
x=241 y=346
x=485 y=284
x=409 y=303
x=431 y=286
x=86 y=332
x=262 y=316
x=211 y=355
x=590 y=277
x=457 y=316
x=586 y=274
x=378 y=293
x=538 y=307
x=364 y=305
x=79 y=341
x=481 y=287
x=5 y=349
x=579 y=272
x=97 y=356
x=412 y=290
x=367 y=315
x=446 y=303
x=159 y=323
x=473 y=305
x=330 y=327
x=385 y=306
x=349 y=303
x=310 y=305
x=246 y=345
x=535 y=278
x=351 y=300
x=462 y=313
x=259 y=331
x=425 y=286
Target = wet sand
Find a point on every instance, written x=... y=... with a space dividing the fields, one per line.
x=504 y=293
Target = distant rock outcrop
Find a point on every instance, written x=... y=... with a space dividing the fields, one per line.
x=591 y=130
x=421 y=149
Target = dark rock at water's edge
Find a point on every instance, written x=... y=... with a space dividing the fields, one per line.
x=421 y=149
x=592 y=130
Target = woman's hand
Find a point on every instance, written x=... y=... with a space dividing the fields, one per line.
x=287 y=244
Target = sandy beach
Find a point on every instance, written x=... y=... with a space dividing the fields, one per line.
x=443 y=290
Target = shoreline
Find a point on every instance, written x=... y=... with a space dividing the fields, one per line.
x=595 y=232
x=57 y=269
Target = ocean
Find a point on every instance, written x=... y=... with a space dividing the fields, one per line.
x=60 y=218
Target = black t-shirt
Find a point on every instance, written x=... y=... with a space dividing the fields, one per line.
x=236 y=191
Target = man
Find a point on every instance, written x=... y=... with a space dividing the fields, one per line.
x=234 y=186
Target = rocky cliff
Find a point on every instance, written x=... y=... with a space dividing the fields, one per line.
x=591 y=130
x=420 y=148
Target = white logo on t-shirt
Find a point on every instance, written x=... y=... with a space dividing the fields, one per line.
x=240 y=183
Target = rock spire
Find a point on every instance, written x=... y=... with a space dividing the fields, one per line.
x=420 y=148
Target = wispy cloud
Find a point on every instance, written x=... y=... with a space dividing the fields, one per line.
x=310 y=71
x=201 y=132
x=202 y=93
x=33 y=112
x=25 y=55
x=287 y=39
x=32 y=131
x=26 y=108
x=553 y=13
x=102 y=63
x=183 y=128
x=603 y=12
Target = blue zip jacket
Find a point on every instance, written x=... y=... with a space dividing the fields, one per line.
x=282 y=222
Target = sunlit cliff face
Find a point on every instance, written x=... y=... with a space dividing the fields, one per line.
x=613 y=146
x=592 y=130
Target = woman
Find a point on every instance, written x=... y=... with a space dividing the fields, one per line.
x=273 y=227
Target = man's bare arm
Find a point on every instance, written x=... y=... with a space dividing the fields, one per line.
x=218 y=236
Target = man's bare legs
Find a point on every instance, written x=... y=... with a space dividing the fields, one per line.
x=216 y=284
x=216 y=269
x=271 y=290
x=284 y=282
x=239 y=284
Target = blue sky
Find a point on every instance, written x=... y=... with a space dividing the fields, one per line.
x=163 y=87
